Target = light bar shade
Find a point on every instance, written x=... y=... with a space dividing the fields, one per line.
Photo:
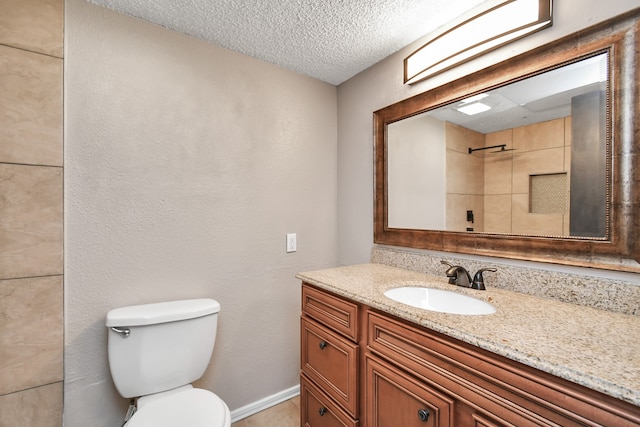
x=488 y=27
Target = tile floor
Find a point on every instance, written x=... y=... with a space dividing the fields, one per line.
x=285 y=414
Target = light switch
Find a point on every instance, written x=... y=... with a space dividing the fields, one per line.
x=291 y=242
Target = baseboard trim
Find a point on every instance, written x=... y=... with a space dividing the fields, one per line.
x=262 y=404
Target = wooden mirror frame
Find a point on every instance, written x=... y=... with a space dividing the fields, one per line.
x=620 y=249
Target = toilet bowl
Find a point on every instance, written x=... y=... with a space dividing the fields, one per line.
x=155 y=352
x=188 y=407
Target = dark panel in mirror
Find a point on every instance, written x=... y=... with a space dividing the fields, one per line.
x=588 y=195
x=599 y=225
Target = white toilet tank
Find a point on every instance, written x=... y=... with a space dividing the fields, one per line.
x=158 y=347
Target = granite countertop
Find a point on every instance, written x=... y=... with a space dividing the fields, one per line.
x=595 y=348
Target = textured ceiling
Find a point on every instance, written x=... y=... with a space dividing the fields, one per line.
x=331 y=40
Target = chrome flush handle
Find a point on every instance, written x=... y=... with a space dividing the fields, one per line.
x=125 y=332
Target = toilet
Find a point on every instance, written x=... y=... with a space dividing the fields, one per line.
x=155 y=352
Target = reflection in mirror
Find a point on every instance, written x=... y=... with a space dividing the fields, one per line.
x=527 y=158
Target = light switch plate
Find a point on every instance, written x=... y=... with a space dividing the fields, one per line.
x=291 y=242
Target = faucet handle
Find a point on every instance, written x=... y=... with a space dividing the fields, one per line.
x=450 y=273
x=478 y=279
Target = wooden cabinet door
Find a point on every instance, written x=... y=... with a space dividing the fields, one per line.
x=395 y=399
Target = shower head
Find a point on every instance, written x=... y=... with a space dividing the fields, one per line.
x=502 y=149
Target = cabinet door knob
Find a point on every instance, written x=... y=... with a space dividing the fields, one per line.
x=322 y=411
x=423 y=414
x=323 y=344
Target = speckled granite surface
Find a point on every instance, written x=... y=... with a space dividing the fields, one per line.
x=595 y=348
x=605 y=294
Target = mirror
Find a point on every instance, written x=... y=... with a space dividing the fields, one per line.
x=525 y=158
x=542 y=171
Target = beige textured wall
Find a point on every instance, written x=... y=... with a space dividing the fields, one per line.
x=186 y=165
x=31 y=266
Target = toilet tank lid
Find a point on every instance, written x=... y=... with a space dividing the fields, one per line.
x=162 y=312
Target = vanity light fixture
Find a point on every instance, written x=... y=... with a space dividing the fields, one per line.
x=487 y=27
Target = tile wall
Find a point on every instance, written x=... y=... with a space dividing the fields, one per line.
x=465 y=182
x=541 y=148
x=31 y=222
x=496 y=185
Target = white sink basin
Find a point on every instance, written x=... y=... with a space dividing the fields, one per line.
x=439 y=300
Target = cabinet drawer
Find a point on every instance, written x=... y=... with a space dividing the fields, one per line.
x=331 y=361
x=482 y=421
x=317 y=410
x=395 y=399
x=330 y=310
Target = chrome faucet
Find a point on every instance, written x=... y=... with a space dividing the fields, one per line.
x=458 y=275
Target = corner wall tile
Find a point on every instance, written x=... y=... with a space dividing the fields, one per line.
x=500 y=137
x=497 y=213
x=35 y=25
x=36 y=407
x=456 y=212
x=30 y=221
x=477 y=205
x=475 y=175
x=532 y=223
x=535 y=162
x=31 y=338
x=455 y=137
x=30 y=107
x=539 y=136
x=456 y=172
x=498 y=174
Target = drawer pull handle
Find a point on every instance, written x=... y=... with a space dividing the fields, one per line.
x=423 y=414
x=322 y=411
x=323 y=344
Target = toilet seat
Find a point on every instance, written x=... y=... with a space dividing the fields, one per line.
x=192 y=407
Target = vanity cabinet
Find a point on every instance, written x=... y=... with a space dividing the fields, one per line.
x=408 y=375
x=487 y=389
x=330 y=360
